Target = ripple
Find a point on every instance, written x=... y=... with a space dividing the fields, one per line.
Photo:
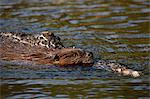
x=134 y=36
x=114 y=30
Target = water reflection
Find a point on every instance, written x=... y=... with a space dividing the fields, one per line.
x=112 y=29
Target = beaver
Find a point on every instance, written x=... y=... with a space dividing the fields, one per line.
x=43 y=48
x=47 y=48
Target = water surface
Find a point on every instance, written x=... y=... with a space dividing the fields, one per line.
x=112 y=29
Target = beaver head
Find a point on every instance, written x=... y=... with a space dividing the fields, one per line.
x=15 y=50
x=70 y=56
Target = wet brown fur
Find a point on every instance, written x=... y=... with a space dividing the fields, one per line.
x=14 y=50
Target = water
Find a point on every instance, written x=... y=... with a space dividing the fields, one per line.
x=111 y=29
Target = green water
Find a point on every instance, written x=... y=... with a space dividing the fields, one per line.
x=111 y=29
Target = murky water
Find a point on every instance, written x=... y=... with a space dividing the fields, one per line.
x=112 y=29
